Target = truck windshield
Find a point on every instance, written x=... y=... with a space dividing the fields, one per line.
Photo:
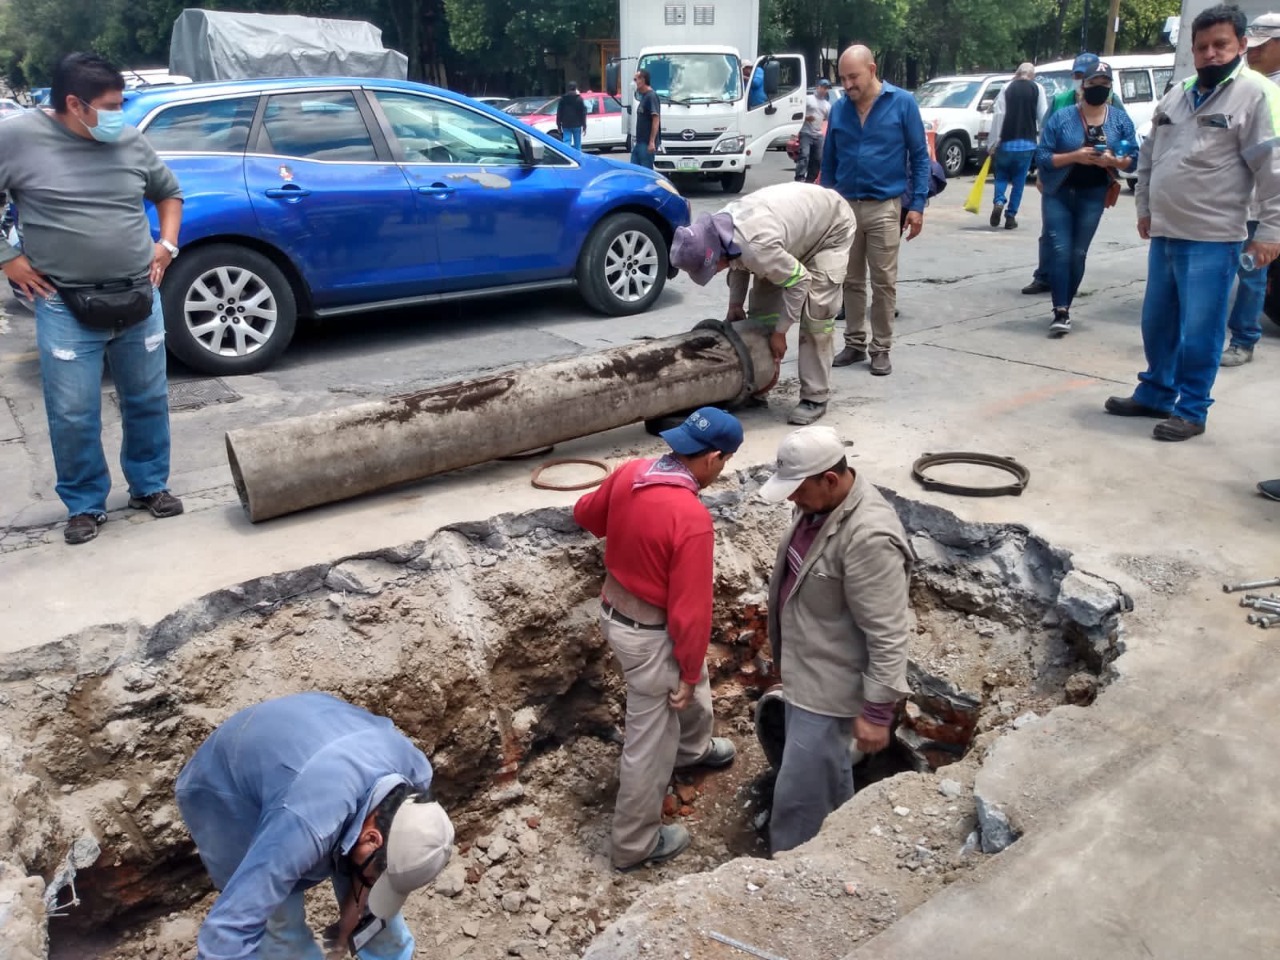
x=944 y=94
x=694 y=77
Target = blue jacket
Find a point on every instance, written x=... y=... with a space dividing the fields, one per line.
x=1064 y=132
x=756 y=95
x=275 y=800
x=865 y=163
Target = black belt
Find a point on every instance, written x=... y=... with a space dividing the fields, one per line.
x=612 y=614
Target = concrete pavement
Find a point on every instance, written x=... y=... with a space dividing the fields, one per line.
x=1149 y=818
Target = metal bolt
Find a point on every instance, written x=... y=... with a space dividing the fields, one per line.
x=1266 y=623
x=1271 y=606
x=1251 y=585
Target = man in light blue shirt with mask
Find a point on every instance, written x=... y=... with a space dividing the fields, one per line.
x=306 y=788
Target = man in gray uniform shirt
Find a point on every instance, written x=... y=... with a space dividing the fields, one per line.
x=79 y=176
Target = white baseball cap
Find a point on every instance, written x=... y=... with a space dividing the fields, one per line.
x=803 y=453
x=419 y=845
x=1263 y=28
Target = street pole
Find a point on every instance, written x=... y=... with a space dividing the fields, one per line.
x=1084 y=28
x=1113 y=25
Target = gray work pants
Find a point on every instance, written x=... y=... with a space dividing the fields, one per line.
x=658 y=737
x=875 y=253
x=816 y=776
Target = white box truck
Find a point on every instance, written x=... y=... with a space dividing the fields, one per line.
x=694 y=51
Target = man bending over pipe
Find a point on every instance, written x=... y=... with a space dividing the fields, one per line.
x=794 y=240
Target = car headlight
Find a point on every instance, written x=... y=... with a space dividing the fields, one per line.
x=667 y=185
x=730 y=145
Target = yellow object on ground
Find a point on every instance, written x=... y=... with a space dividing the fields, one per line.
x=973 y=203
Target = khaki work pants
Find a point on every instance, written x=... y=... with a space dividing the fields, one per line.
x=658 y=737
x=875 y=252
x=826 y=270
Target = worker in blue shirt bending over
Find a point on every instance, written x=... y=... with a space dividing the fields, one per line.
x=302 y=789
x=869 y=133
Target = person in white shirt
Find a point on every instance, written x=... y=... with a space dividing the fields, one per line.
x=816 y=110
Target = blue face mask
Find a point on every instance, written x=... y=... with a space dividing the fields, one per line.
x=109 y=127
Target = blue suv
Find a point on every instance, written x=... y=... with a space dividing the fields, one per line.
x=324 y=197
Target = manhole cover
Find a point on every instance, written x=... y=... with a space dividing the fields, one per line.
x=194 y=394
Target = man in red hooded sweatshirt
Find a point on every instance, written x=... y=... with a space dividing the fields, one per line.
x=655 y=611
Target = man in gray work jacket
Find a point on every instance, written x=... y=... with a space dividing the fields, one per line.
x=79 y=176
x=1212 y=142
x=838 y=625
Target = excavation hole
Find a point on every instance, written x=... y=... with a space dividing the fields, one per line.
x=481 y=643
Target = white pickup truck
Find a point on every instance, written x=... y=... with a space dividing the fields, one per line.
x=957 y=107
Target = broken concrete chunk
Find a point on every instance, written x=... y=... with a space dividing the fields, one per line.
x=512 y=901
x=1088 y=600
x=529 y=844
x=950 y=788
x=499 y=847
x=452 y=880
x=993 y=827
x=359 y=576
x=540 y=925
x=1025 y=720
x=471 y=928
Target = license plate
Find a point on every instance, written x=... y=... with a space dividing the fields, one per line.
x=688 y=163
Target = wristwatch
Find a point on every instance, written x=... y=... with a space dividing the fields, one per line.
x=171 y=247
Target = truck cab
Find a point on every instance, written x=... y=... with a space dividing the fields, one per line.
x=701 y=64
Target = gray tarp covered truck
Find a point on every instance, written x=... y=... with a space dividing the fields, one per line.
x=214 y=45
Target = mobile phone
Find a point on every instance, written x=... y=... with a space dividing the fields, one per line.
x=366 y=930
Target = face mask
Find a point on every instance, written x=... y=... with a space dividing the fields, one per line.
x=1077 y=85
x=109 y=127
x=1215 y=73
x=1096 y=96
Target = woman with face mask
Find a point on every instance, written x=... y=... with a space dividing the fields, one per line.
x=1080 y=152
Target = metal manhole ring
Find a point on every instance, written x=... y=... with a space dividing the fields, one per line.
x=1021 y=475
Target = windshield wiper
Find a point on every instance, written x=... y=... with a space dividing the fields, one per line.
x=669 y=99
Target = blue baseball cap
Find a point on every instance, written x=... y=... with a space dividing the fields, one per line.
x=707 y=428
x=824 y=82
x=1084 y=63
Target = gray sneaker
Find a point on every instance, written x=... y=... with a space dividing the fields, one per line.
x=719 y=754
x=806 y=412
x=673 y=840
x=1236 y=356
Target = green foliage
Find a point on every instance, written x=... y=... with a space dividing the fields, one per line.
x=513 y=43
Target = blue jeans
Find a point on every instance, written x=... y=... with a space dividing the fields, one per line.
x=1012 y=167
x=1245 y=322
x=641 y=155
x=1071 y=218
x=289 y=938
x=573 y=137
x=1184 y=318
x=71 y=359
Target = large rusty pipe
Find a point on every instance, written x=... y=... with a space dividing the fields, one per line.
x=283 y=467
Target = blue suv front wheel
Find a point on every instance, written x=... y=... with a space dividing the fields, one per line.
x=623 y=265
x=228 y=310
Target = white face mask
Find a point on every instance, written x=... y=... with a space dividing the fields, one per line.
x=1077 y=85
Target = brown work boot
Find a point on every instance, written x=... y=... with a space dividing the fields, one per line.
x=806 y=412
x=83 y=527
x=880 y=365
x=1129 y=407
x=161 y=504
x=1175 y=428
x=849 y=355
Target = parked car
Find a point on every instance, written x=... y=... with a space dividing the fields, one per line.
x=10 y=109
x=496 y=102
x=524 y=106
x=606 y=129
x=956 y=106
x=326 y=197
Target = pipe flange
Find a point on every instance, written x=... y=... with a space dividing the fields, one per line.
x=587 y=485
x=1022 y=476
x=744 y=357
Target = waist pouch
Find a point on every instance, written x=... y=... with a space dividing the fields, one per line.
x=111 y=305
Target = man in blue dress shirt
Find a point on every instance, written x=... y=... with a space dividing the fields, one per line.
x=869 y=134
x=306 y=788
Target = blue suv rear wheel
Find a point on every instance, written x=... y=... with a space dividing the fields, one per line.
x=228 y=310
